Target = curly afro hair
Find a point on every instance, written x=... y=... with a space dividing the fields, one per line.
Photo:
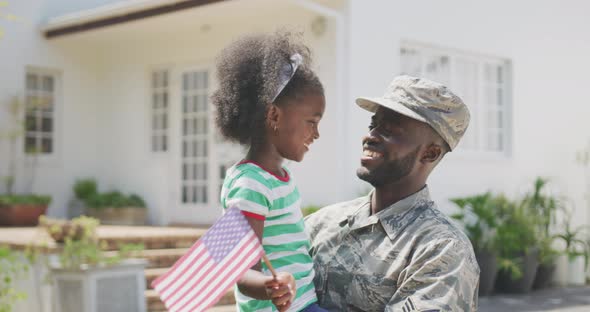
x=248 y=71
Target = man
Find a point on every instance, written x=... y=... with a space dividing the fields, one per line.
x=393 y=250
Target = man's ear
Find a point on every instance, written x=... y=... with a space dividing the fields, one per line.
x=432 y=153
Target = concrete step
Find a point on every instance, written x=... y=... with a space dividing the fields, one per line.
x=155 y=304
x=151 y=237
x=152 y=274
x=157 y=258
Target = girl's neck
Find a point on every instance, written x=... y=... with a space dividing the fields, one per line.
x=267 y=157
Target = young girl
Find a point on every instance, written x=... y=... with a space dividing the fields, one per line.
x=272 y=102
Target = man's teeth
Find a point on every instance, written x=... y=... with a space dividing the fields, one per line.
x=371 y=154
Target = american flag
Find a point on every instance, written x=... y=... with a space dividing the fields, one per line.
x=211 y=266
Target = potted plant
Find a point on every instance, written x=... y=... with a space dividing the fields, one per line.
x=478 y=216
x=518 y=246
x=83 y=189
x=18 y=209
x=22 y=210
x=114 y=208
x=88 y=279
x=544 y=207
x=574 y=260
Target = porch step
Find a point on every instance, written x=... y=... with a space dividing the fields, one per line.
x=152 y=274
x=157 y=258
x=226 y=303
x=152 y=237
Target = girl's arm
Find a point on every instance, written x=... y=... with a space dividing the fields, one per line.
x=254 y=284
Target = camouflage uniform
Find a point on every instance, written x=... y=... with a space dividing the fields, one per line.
x=407 y=257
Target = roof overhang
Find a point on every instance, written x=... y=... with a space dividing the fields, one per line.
x=115 y=14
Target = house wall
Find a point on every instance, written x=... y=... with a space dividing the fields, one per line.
x=547 y=45
x=126 y=54
x=104 y=113
x=22 y=46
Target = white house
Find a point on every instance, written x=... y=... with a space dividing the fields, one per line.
x=127 y=85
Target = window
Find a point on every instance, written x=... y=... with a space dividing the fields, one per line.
x=159 y=118
x=483 y=84
x=40 y=102
x=195 y=136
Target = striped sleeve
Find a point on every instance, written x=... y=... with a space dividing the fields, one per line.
x=250 y=194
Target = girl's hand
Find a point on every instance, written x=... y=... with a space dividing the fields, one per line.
x=282 y=290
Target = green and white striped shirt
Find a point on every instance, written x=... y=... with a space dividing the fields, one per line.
x=276 y=200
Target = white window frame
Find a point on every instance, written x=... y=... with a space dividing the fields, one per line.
x=52 y=157
x=159 y=116
x=477 y=128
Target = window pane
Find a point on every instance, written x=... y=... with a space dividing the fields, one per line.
x=201 y=171
x=195 y=194
x=155 y=101
x=48 y=83
x=164 y=100
x=164 y=143
x=164 y=121
x=185 y=104
x=202 y=107
x=46 y=145
x=185 y=194
x=46 y=124
x=196 y=103
x=31 y=123
x=185 y=82
x=32 y=83
x=165 y=78
x=204 y=194
x=499 y=74
x=30 y=145
x=205 y=80
x=47 y=104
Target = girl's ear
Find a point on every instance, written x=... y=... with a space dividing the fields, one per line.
x=273 y=116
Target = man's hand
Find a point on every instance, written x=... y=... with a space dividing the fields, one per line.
x=282 y=290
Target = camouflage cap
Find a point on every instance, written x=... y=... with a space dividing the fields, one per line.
x=426 y=101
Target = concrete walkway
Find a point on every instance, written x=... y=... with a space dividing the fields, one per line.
x=556 y=299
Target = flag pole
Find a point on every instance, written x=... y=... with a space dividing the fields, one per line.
x=270 y=268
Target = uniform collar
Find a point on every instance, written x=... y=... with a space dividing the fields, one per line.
x=394 y=218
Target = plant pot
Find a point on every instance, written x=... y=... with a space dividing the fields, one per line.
x=75 y=208
x=560 y=277
x=576 y=273
x=544 y=275
x=21 y=214
x=488 y=266
x=524 y=284
x=114 y=288
x=119 y=216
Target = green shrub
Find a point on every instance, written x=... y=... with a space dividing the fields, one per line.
x=29 y=199
x=85 y=188
x=307 y=210
x=11 y=268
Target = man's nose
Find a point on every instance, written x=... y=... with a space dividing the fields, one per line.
x=371 y=137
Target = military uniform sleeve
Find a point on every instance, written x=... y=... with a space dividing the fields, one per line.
x=441 y=276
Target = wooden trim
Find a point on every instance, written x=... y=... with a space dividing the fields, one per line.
x=133 y=16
